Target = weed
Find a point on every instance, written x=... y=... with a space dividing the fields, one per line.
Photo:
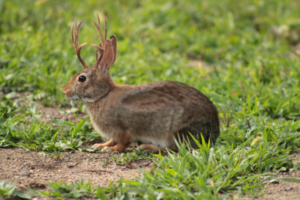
x=73 y=190
x=9 y=191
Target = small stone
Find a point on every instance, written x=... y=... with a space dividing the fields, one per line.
x=25 y=173
x=288 y=188
x=70 y=165
x=274 y=181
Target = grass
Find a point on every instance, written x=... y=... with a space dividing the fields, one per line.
x=9 y=191
x=244 y=61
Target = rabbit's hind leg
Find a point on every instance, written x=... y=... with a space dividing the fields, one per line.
x=154 y=149
x=124 y=142
x=109 y=143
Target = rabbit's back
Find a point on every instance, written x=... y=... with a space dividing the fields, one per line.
x=155 y=113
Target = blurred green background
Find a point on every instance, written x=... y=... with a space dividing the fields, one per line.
x=230 y=50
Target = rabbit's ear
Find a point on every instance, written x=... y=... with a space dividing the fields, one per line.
x=109 y=56
x=106 y=58
x=114 y=45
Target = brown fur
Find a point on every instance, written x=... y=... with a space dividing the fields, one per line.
x=153 y=113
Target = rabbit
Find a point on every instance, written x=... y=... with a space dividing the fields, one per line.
x=154 y=114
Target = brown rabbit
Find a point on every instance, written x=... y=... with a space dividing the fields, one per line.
x=154 y=113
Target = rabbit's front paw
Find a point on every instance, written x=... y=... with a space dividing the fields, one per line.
x=97 y=146
x=108 y=149
x=109 y=143
x=105 y=149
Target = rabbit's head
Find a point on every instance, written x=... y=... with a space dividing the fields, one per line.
x=93 y=82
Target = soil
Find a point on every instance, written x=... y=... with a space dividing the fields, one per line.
x=280 y=190
x=277 y=190
x=29 y=169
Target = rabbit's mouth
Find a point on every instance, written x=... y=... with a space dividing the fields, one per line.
x=77 y=98
x=72 y=103
x=72 y=99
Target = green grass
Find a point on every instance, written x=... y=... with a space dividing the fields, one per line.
x=249 y=70
x=9 y=191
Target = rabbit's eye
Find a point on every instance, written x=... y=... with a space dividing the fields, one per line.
x=81 y=78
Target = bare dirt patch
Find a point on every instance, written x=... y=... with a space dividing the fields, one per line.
x=281 y=189
x=278 y=189
x=29 y=169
